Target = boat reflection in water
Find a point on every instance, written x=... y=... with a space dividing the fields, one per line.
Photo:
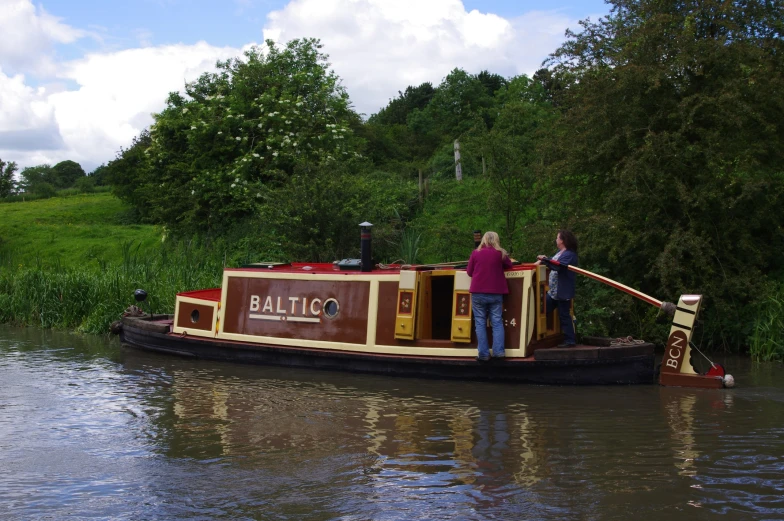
x=408 y=438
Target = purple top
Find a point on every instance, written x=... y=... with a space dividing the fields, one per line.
x=486 y=269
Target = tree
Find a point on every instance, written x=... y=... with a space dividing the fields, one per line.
x=34 y=176
x=65 y=173
x=510 y=150
x=456 y=106
x=670 y=149
x=398 y=109
x=215 y=151
x=7 y=182
x=100 y=176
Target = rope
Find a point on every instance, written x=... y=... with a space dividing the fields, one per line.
x=133 y=311
x=703 y=354
x=394 y=266
x=626 y=341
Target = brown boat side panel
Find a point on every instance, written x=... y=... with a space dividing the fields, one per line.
x=293 y=309
x=201 y=319
x=513 y=308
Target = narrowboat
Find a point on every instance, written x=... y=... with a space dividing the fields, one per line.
x=354 y=315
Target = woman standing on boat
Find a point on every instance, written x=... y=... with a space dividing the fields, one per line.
x=562 y=282
x=488 y=287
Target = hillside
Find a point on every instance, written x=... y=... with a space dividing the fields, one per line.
x=77 y=230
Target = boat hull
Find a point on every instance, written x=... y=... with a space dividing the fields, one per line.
x=600 y=366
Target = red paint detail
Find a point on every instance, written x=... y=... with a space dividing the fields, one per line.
x=716 y=370
x=213 y=295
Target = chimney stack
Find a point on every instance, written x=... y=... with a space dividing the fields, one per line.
x=365 y=257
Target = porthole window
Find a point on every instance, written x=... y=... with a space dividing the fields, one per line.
x=195 y=316
x=331 y=308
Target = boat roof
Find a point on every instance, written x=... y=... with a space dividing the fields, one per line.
x=214 y=294
x=336 y=268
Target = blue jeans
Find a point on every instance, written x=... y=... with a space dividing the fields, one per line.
x=564 y=315
x=492 y=305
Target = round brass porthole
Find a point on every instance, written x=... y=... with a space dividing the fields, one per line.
x=331 y=308
x=195 y=316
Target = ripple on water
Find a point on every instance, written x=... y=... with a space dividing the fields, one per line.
x=91 y=431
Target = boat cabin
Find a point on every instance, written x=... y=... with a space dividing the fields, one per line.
x=417 y=311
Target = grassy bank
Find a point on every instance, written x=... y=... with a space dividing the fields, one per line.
x=74 y=231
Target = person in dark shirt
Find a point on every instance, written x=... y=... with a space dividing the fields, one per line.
x=488 y=287
x=562 y=281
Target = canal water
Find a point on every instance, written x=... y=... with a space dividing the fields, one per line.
x=90 y=430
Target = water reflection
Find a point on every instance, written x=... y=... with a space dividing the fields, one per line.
x=89 y=430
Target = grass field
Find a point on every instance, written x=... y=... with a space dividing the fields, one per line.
x=78 y=230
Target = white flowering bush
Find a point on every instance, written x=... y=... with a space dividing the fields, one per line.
x=216 y=151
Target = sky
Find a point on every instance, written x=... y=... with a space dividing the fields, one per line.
x=79 y=79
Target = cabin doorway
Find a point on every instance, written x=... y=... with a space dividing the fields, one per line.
x=435 y=306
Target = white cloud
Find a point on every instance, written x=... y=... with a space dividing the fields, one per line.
x=28 y=35
x=118 y=92
x=116 y=95
x=379 y=47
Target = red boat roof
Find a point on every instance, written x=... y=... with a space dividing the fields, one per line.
x=334 y=268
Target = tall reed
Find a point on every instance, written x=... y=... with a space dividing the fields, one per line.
x=89 y=299
x=767 y=338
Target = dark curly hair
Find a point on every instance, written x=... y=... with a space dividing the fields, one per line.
x=569 y=240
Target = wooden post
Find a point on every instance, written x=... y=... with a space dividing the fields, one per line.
x=458 y=166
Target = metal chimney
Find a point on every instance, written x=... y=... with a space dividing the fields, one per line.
x=365 y=257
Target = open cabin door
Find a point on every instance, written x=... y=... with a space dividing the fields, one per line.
x=461 y=308
x=433 y=305
x=406 y=305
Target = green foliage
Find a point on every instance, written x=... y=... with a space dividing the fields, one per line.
x=510 y=154
x=668 y=157
x=456 y=106
x=33 y=176
x=452 y=211
x=85 y=185
x=409 y=246
x=44 y=190
x=65 y=173
x=7 y=182
x=316 y=214
x=767 y=337
x=100 y=176
x=398 y=109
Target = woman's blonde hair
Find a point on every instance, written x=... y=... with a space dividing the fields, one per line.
x=491 y=240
